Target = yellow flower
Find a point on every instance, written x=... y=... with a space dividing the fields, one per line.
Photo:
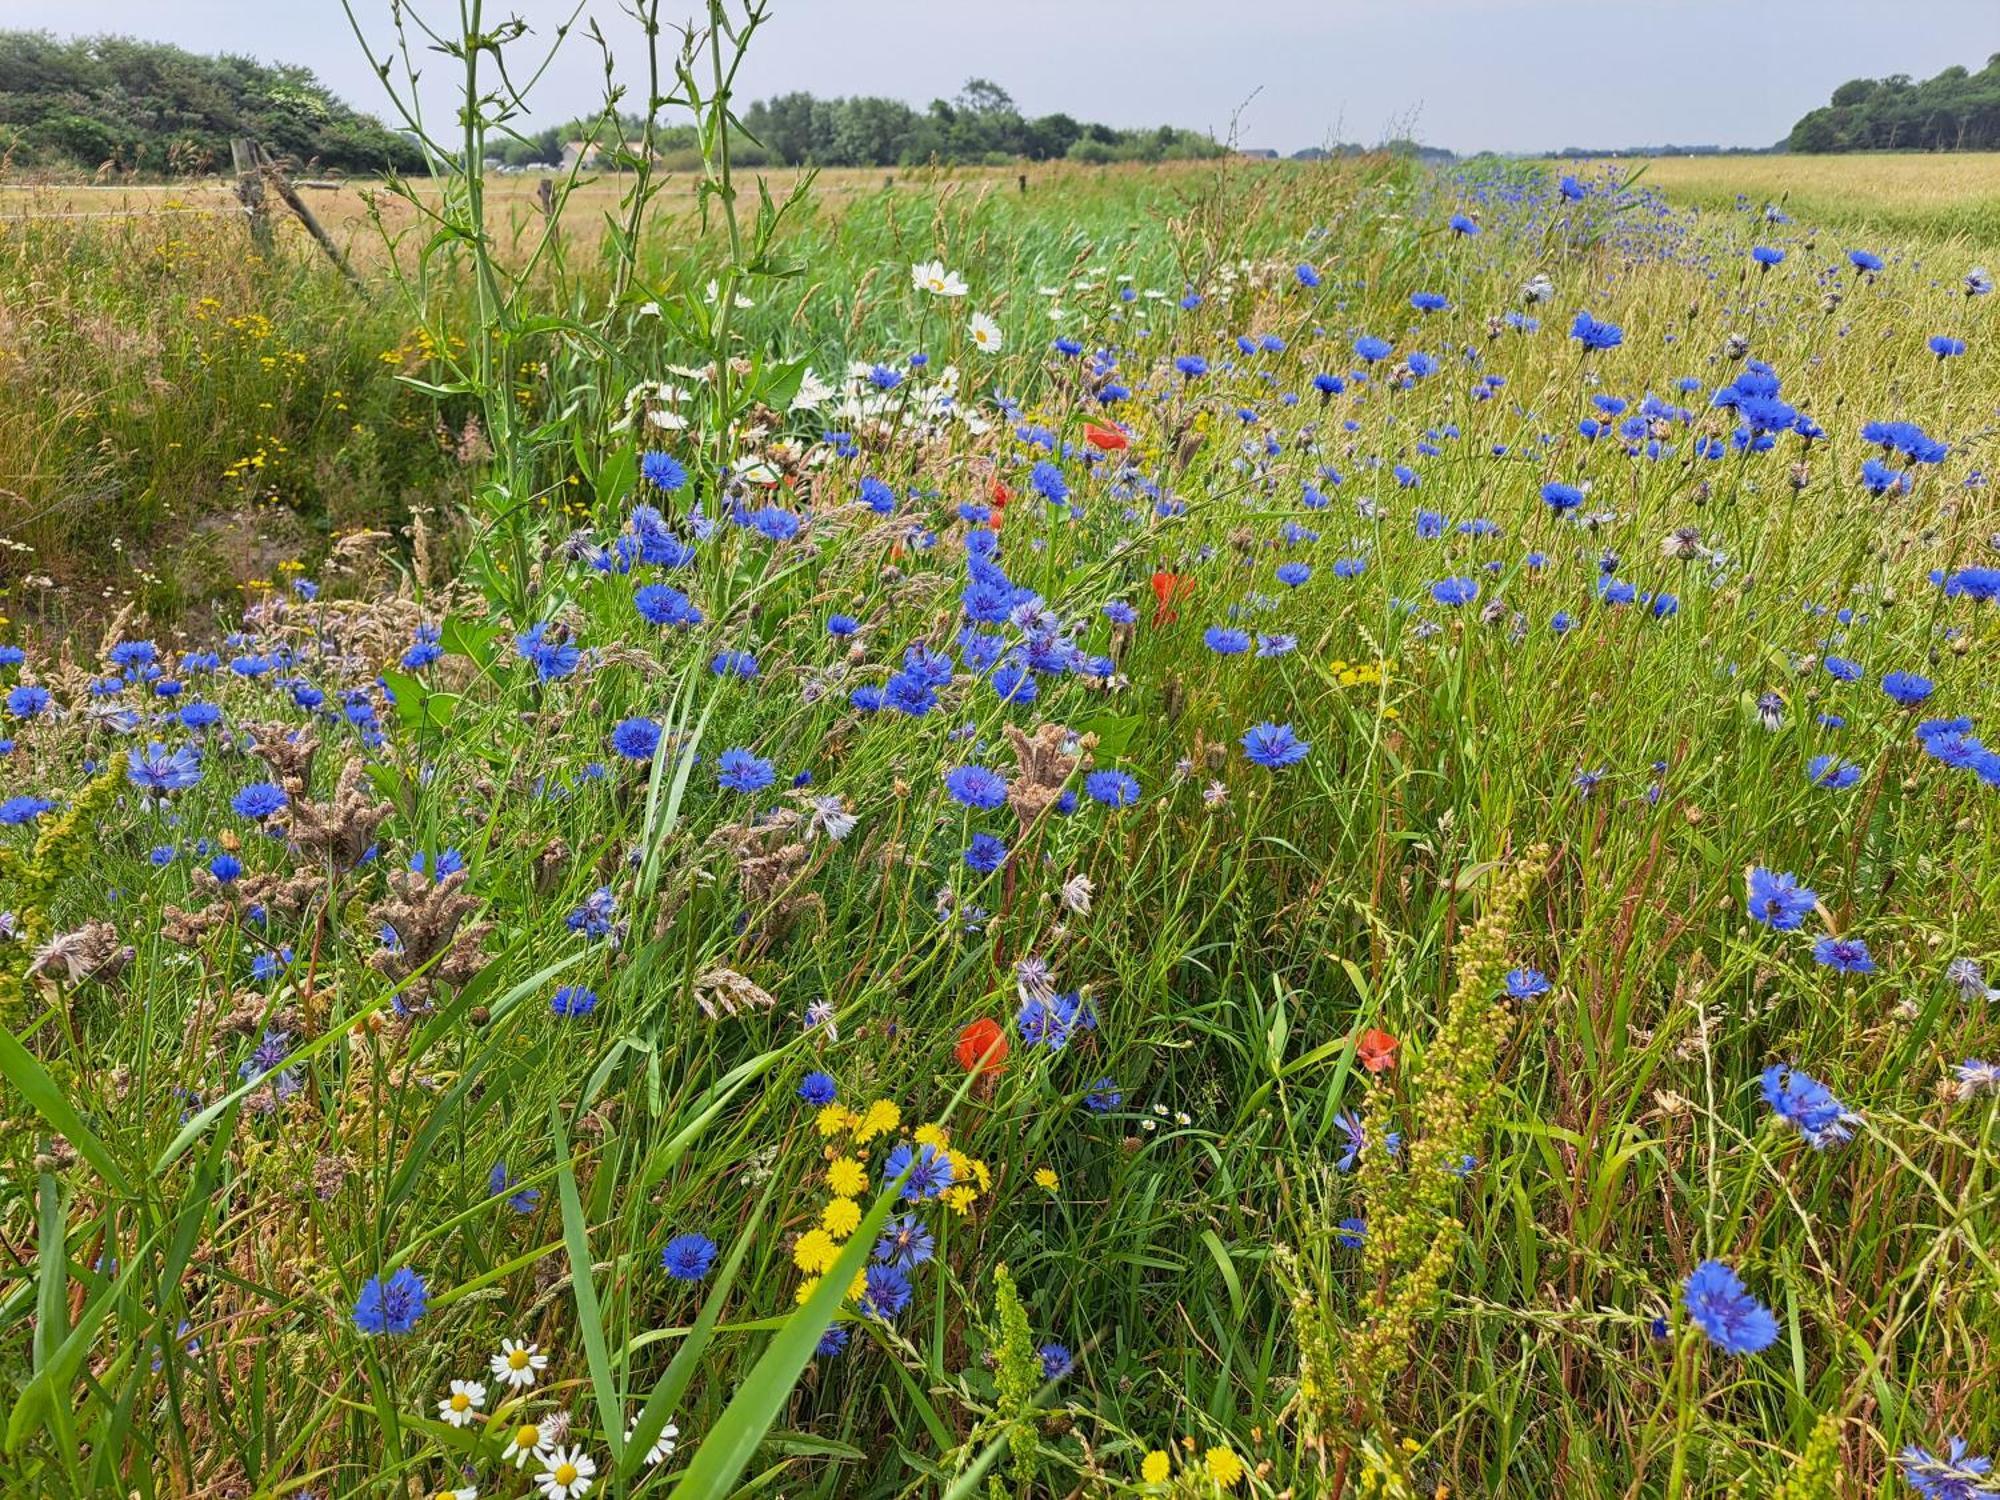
x=806 y=1289
x=858 y=1288
x=959 y=1199
x=881 y=1118
x=1155 y=1467
x=815 y=1251
x=933 y=1136
x=1045 y=1178
x=834 y=1118
x=846 y=1176
x=981 y=1175
x=1224 y=1467
x=839 y=1217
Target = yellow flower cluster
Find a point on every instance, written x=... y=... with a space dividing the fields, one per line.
x=1361 y=673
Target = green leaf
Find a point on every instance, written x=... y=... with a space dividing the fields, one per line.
x=31 y=1080
x=734 y=1439
x=589 y=1317
x=470 y=638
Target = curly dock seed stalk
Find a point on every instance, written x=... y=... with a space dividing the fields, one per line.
x=1412 y=1229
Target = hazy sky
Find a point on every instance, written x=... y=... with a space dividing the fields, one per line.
x=1510 y=75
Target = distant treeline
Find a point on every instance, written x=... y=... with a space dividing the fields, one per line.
x=147 y=107
x=981 y=125
x=1955 y=111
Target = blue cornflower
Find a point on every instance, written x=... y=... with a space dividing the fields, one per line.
x=1525 y=984
x=225 y=868
x=663 y=604
x=1226 y=642
x=24 y=809
x=976 y=786
x=1831 y=772
x=1274 y=746
x=1429 y=301
x=1292 y=574
x=1561 y=497
x=885 y=1292
x=1046 y=480
x=159 y=770
x=1191 y=365
x=1778 y=900
x=1351 y=1234
x=1907 y=688
x=662 y=470
x=737 y=770
x=1592 y=334
x=1371 y=349
x=929 y=1169
x=1807 y=1105
x=27 y=701
x=1453 y=592
x=842 y=625
x=1112 y=788
x=1103 y=1098
x=1735 y=1321
x=391 y=1306
x=1864 y=260
x=573 y=1001
x=1842 y=670
x=1057 y=1361
x=1766 y=255
x=1958 y=1475
x=636 y=739
x=1308 y=277
x=259 y=800
x=1464 y=224
x=1844 y=955
x=818 y=1089
x=985 y=854
x=687 y=1257
x=904 y=1243
x=831 y=1342
x=1946 y=347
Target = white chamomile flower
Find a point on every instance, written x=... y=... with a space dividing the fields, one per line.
x=463 y=1492
x=813 y=392
x=712 y=294
x=986 y=334
x=527 y=1440
x=517 y=1364
x=464 y=1403
x=663 y=1445
x=931 y=276
x=566 y=1474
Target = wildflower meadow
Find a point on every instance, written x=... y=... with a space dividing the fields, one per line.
x=1240 y=829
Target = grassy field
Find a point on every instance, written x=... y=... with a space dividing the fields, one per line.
x=1302 y=831
x=1919 y=197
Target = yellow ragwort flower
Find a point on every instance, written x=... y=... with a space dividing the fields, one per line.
x=846 y=1176
x=1224 y=1467
x=840 y=1217
x=815 y=1252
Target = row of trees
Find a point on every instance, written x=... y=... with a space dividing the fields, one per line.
x=981 y=125
x=147 y=107
x=1955 y=111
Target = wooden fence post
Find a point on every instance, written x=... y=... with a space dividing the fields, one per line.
x=250 y=193
x=297 y=205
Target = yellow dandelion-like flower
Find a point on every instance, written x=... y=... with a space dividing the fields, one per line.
x=959 y=1200
x=881 y=1117
x=858 y=1288
x=815 y=1252
x=934 y=1137
x=982 y=1175
x=1223 y=1466
x=1155 y=1467
x=1046 y=1178
x=835 y=1118
x=805 y=1291
x=840 y=1217
x=846 y=1176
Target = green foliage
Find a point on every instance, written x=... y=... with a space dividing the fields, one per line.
x=1955 y=111
x=92 y=102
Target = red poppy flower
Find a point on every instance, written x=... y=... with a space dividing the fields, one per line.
x=1169 y=589
x=1377 y=1050
x=1001 y=494
x=982 y=1047
x=1105 y=439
